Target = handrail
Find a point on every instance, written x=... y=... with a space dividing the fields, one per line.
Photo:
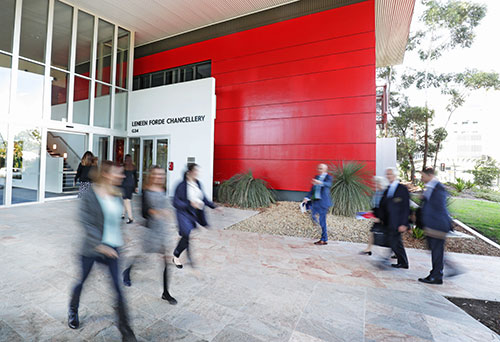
x=65 y=142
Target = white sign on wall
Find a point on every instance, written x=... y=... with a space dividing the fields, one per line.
x=185 y=113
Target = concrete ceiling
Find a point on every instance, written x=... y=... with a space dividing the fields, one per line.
x=157 y=19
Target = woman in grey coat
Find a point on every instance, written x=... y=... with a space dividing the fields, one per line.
x=155 y=237
x=100 y=215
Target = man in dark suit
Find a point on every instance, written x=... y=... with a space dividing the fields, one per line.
x=436 y=222
x=394 y=214
x=321 y=201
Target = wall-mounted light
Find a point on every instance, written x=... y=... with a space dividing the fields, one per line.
x=54 y=147
x=65 y=155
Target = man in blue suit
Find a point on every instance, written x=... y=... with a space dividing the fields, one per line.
x=321 y=201
x=436 y=222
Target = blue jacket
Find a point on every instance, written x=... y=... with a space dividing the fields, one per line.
x=395 y=211
x=187 y=216
x=325 y=201
x=434 y=213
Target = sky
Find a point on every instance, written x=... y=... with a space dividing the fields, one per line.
x=484 y=55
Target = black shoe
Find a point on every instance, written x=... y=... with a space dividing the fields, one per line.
x=73 y=321
x=123 y=217
x=129 y=221
x=400 y=266
x=365 y=253
x=171 y=300
x=126 y=277
x=431 y=280
x=176 y=265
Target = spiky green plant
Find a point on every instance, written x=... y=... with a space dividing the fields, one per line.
x=245 y=191
x=350 y=191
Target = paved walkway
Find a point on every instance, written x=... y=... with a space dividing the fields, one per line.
x=253 y=288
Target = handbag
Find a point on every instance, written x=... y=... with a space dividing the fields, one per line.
x=380 y=236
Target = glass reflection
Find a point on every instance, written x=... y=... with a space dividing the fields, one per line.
x=122 y=57
x=104 y=49
x=5 y=65
x=84 y=36
x=100 y=147
x=34 y=29
x=59 y=98
x=120 y=109
x=102 y=105
x=3 y=160
x=26 y=167
x=29 y=95
x=7 y=24
x=61 y=36
x=81 y=103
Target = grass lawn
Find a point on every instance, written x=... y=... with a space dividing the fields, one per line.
x=483 y=216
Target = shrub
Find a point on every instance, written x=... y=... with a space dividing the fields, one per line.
x=460 y=185
x=469 y=185
x=487 y=194
x=418 y=233
x=350 y=190
x=245 y=191
x=485 y=171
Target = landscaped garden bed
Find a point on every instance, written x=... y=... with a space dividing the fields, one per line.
x=484 y=311
x=285 y=218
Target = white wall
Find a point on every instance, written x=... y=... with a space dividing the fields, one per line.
x=386 y=154
x=189 y=139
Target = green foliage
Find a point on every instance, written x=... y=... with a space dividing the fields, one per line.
x=485 y=171
x=487 y=194
x=459 y=186
x=350 y=190
x=245 y=191
x=418 y=233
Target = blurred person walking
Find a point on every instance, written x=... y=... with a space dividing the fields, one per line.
x=155 y=238
x=83 y=173
x=100 y=211
x=436 y=222
x=321 y=200
x=380 y=186
x=394 y=212
x=129 y=186
x=189 y=202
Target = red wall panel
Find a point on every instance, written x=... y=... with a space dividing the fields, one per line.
x=290 y=94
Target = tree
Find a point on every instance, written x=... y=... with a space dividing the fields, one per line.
x=448 y=25
x=438 y=136
x=485 y=171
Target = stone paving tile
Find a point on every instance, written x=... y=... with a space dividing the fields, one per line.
x=250 y=287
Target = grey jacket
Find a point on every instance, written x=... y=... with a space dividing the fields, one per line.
x=92 y=220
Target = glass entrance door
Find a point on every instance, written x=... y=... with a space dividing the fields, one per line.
x=154 y=151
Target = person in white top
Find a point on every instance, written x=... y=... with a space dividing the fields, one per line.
x=189 y=202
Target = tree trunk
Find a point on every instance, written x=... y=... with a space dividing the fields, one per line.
x=412 y=169
x=436 y=155
x=426 y=142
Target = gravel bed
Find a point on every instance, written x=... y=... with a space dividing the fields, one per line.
x=286 y=219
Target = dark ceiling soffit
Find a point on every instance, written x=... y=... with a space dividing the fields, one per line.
x=266 y=17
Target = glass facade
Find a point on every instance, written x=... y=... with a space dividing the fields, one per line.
x=63 y=90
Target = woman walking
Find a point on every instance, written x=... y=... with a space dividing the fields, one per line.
x=190 y=202
x=100 y=216
x=380 y=186
x=83 y=173
x=155 y=237
x=129 y=186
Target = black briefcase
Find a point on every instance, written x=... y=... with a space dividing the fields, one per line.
x=380 y=236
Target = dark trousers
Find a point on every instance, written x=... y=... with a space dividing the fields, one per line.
x=437 y=249
x=181 y=246
x=87 y=263
x=319 y=212
x=398 y=248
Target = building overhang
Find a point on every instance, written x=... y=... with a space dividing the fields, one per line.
x=185 y=22
x=392 y=28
